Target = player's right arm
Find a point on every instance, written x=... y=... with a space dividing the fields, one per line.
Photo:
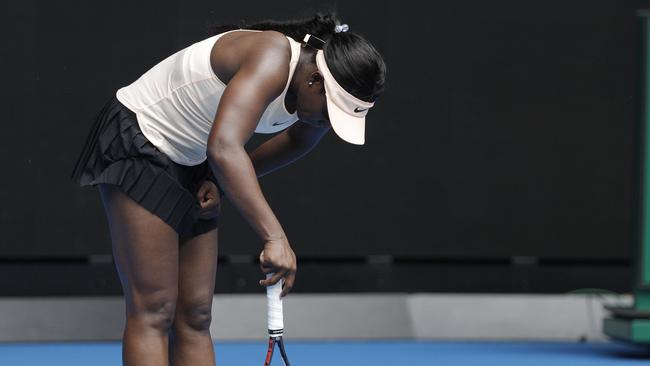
x=258 y=81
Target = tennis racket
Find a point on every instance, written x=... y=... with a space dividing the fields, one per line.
x=275 y=321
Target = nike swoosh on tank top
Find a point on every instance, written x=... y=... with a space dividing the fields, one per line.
x=176 y=100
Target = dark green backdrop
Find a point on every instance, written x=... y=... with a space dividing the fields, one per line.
x=507 y=129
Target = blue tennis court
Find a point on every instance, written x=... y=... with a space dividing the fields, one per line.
x=354 y=353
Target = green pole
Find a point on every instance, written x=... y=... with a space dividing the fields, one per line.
x=642 y=262
x=633 y=323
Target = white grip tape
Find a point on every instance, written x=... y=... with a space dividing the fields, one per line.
x=274 y=307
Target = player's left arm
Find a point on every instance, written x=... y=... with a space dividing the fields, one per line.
x=286 y=147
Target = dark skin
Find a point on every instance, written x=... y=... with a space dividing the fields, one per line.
x=168 y=283
x=256 y=74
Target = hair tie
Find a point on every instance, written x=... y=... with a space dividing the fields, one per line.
x=341 y=28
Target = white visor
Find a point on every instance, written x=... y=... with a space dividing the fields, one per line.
x=347 y=113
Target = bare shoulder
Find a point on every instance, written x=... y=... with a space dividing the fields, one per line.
x=269 y=48
x=257 y=78
x=272 y=46
x=276 y=37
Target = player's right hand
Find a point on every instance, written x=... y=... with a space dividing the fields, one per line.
x=278 y=257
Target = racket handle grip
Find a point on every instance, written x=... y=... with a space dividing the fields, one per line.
x=275 y=319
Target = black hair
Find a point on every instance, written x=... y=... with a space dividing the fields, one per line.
x=355 y=64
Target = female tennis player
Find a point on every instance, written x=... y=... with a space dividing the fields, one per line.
x=165 y=149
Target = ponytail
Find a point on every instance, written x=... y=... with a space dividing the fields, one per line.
x=321 y=25
x=355 y=64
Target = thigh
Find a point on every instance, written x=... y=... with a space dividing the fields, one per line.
x=145 y=249
x=197 y=271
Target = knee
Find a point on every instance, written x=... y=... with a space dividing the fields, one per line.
x=196 y=316
x=156 y=313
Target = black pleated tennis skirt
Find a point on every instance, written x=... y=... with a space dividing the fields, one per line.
x=116 y=152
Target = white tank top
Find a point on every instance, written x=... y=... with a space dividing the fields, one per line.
x=176 y=101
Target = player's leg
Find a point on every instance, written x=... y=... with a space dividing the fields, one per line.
x=145 y=249
x=191 y=342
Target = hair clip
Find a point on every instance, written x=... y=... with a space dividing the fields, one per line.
x=341 y=28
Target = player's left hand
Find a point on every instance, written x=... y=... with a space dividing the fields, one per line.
x=209 y=199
